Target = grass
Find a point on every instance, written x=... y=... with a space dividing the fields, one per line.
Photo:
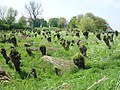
x=100 y=62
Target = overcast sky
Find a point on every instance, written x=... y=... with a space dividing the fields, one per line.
x=107 y=9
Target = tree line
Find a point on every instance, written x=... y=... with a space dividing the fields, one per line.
x=88 y=22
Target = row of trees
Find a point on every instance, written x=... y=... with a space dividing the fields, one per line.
x=7 y=17
x=88 y=21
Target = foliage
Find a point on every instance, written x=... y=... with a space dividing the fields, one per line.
x=53 y=22
x=57 y=22
x=11 y=14
x=23 y=20
x=88 y=24
x=79 y=17
x=17 y=26
x=72 y=22
x=90 y=15
x=82 y=22
x=62 y=23
x=4 y=25
x=101 y=24
x=41 y=23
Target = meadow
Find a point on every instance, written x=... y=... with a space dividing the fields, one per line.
x=102 y=70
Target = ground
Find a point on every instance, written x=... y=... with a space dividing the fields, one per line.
x=100 y=62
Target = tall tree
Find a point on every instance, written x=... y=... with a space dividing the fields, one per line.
x=79 y=18
x=62 y=23
x=101 y=23
x=3 y=10
x=87 y=24
x=34 y=10
x=41 y=22
x=53 y=22
x=11 y=15
x=23 y=20
x=90 y=15
x=72 y=22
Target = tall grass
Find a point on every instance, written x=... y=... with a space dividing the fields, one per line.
x=100 y=62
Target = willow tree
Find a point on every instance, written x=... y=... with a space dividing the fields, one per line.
x=88 y=24
x=34 y=9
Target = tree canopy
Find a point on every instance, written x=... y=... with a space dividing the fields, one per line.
x=88 y=22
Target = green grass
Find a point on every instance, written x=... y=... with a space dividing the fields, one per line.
x=100 y=62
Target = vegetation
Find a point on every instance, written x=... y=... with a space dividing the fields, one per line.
x=34 y=10
x=88 y=22
x=83 y=56
x=101 y=72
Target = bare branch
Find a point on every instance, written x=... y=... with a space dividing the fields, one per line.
x=34 y=10
x=3 y=10
x=28 y=11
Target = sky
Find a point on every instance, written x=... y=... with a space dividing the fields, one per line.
x=107 y=9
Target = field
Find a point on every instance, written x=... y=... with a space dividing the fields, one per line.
x=102 y=70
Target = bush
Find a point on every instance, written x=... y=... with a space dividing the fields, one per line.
x=4 y=26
